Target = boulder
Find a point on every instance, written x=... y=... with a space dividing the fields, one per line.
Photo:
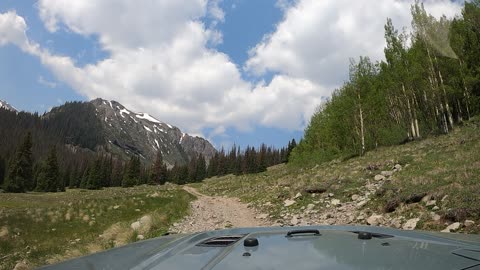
x=310 y=207
x=294 y=221
x=355 y=197
x=411 y=224
x=453 y=227
x=396 y=223
x=116 y=207
x=436 y=217
x=331 y=221
x=387 y=173
x=335 y=202
x=435 y=208
x=397 y=167
x=4 y=232
x=143 y=225
x=426 y=198
x=298 y=195
x=288 y=202
x=379 y=177
x=136 y=226
x=375 y=220
x=361 y=204
x=431 y=203
x=469 y=223
x=21 y=266
x=140 y=237
x=330 y=194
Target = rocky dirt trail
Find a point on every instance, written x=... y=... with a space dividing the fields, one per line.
x=210 y=213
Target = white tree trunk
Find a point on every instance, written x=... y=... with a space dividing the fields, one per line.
x=447 y=107
x=362 y=127
x=410 y=114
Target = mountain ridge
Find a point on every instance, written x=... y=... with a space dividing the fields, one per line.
x=104 y=126
x=5 y=105
x=142 y=134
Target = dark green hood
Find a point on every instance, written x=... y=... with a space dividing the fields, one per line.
x=336 y=247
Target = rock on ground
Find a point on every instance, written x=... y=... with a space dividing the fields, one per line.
x=469 y=223
x=375 y=220
x=411 y=224
x=288 y=202
x=21 y=266
x=452 y=227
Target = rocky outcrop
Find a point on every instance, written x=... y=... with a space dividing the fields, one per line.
x=130 y=133
x=4 y=105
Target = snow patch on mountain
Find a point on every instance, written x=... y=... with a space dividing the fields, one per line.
x=6 y=106
x=147 y=117
x=122 y=111
x=148 y=129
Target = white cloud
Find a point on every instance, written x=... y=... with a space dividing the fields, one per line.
x=12 y=29
x=160 y=60
x=316 y=38
x=177 y=77
x=46 y=83
x=216 y=11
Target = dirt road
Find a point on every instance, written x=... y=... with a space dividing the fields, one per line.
x=210 y=213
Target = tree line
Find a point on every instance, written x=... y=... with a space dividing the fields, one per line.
x=24 y=173
x=428 y=84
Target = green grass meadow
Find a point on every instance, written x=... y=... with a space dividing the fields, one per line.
x=44 y=228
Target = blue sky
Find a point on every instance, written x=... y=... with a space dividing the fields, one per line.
x=233 y=71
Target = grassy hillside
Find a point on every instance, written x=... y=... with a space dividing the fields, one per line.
x=43 y=228
x=444 y=171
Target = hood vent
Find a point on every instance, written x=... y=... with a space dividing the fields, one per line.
x=372 y=235
x=221 y=241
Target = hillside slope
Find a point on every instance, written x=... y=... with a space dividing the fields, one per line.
x=428 y=184
x=100 y=126
x=127 y=132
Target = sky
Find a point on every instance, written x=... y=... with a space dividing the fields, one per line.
x=232 y=71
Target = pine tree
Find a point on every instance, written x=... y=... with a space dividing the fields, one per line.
x=73 y=179
x=201 y=168
x=2 y=170
x=84 y=177
x=14 y=182
x=26 y=162
x=49 y=178
x=192 y=170
x=158 y=175
x=117 y=174
x=132 y=172
x=95 y=175
x=20 y=175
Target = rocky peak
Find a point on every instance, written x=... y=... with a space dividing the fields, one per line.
x=6 y=106
x=128 y=132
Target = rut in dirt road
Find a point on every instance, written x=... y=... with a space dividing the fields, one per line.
x=210 y=213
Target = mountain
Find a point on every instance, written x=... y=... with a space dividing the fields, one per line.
x=6 y=106
x=127 y=132
x=100 y=126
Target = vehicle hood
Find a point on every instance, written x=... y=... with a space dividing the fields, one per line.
x=336 y=247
